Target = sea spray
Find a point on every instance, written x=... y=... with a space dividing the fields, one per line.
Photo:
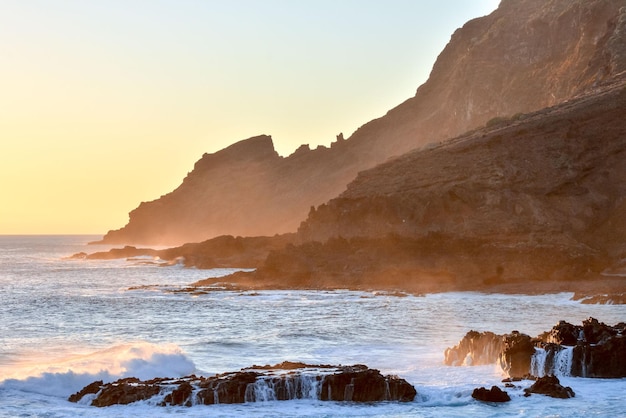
x=64 y=376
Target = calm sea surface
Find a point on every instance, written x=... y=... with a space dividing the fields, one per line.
x=65 y=323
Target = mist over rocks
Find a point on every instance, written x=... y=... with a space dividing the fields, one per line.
x=526 y=55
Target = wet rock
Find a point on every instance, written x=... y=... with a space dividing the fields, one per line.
x=596 y=332
x=495 y=394
x=563 y=333
x=599 y=349
x=591 y=350
x=91 y=388
x=125 y=391
x=180 y=396
x=295 y=381
x=603 y=360
x=550 y=386
x=516 y=355
x=229 y=388
x=476 y=348
x=360 y=384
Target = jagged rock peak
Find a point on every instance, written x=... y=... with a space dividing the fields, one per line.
x=259 y=147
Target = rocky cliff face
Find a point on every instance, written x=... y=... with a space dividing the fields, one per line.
x=540 y=197
x=526 y=55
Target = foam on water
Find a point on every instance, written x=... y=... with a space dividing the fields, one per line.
x=64 y=376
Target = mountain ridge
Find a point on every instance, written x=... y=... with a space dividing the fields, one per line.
x=524 y=56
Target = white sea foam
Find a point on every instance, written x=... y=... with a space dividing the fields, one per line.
x=63 y=377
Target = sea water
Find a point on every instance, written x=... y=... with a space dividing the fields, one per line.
x=65 y=323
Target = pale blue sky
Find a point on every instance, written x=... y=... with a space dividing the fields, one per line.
x=120 y=98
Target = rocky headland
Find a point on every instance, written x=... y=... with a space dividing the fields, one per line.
x=525 y=56
x=539 y=199
x=531 y=194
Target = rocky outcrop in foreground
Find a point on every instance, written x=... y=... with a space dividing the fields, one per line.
x=283 y=381
x=526 y=55
x=591 y=350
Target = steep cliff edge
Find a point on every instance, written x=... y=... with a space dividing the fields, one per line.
x=526 y=55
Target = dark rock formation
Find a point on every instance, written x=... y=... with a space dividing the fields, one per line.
x=475 y=349
x=563 y=333
x=591 y=350
x=360 y=384
x=495 y=394
x=280 y=382
x=550 y=386
x=516 y=354
x=526 y=55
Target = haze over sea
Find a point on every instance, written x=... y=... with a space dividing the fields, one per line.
x=65 y=323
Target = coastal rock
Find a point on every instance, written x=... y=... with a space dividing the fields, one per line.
x=123 y=392
x=360 y=384
x=495 y=394
x=280 y=382
x=550 y=386
x=476 y=348
x=564 y=333
x=516 y=354
x=525 y=56
x=592 y=349
x=90 y=389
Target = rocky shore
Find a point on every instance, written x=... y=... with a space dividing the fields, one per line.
x=593 y=350
x=280 y=382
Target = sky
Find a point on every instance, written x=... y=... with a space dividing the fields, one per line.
x=108 y=103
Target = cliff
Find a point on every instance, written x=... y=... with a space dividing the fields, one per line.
x=526 y=55
x=540 y=197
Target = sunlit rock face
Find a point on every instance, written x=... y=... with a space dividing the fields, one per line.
x=475 y=349
x=526 y=55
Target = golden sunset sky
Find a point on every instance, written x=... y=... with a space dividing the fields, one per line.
x=107 y=103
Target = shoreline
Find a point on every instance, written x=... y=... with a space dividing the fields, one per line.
x=607 y=291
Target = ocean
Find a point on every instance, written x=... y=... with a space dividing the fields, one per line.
x=65 y=323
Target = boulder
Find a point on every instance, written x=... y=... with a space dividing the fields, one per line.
x=550 y=386
x=495 y=394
